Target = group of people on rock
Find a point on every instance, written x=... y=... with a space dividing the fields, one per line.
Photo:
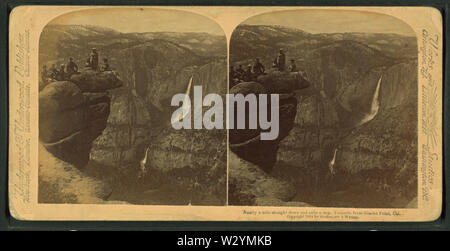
x=256 y=69
x=65 y=71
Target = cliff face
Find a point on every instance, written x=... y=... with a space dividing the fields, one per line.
x=366 y=157
x=354 y=140
x=142 y=109
x=383 y=152
x=140 y=119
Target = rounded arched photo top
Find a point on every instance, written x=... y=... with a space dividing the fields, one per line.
x=305 y=32
x=333 y=21
x=131 y=20
x=161 y=33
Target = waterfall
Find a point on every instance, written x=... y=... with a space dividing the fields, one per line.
x=143 y=163
x=186 y=103
x=332 y=162
x=374 y=106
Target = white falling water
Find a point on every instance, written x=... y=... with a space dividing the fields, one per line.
x=186 y=109
x=143 y=163
x=374 y=107
x=186 y=104
x=332 y=162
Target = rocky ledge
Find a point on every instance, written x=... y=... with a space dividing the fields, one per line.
x=72 y=114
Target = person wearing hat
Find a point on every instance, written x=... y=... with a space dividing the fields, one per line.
x=281 y=60
x=71 y=68
x=93 y=59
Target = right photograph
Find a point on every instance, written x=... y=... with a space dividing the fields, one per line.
x=347 y=122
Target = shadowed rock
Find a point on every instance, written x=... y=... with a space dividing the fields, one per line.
x=95 y=81
x=243 y=135
x=71 y=117
x=83 y=130
x=59 y=96
x=283 y=82
x=246 y=143
x=252 y=159
x=70 y=120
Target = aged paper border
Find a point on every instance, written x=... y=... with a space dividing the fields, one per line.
x=26 y=24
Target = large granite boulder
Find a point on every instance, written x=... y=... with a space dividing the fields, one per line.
x=95 y=81
x=251 y=159
x=70 y=118
x=246 y=143
x=282 y=81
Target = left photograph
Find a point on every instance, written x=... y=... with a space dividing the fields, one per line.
x=106 y=88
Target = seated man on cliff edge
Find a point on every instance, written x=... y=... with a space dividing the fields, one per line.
x=71 y=68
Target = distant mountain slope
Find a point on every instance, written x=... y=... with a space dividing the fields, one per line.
x=203 y=44
x=264 y=41
x=61 y=41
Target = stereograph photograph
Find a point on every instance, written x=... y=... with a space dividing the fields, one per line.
x=226 y=113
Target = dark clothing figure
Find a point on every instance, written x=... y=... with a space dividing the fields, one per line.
x=281 y=61
x=240 y=73
x=105 y=66
x=71 y=68
x=274 y=63
x=248 y=75
x=61 y=75
x=93 y=60
x=232 y=77
x=88 y=63
x=258 y=68
x=232 y=73
x=292 y=67
x=53 y=72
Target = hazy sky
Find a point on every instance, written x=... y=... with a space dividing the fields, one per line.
x=332 y=21
x=142 y=20
x=314 y=21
